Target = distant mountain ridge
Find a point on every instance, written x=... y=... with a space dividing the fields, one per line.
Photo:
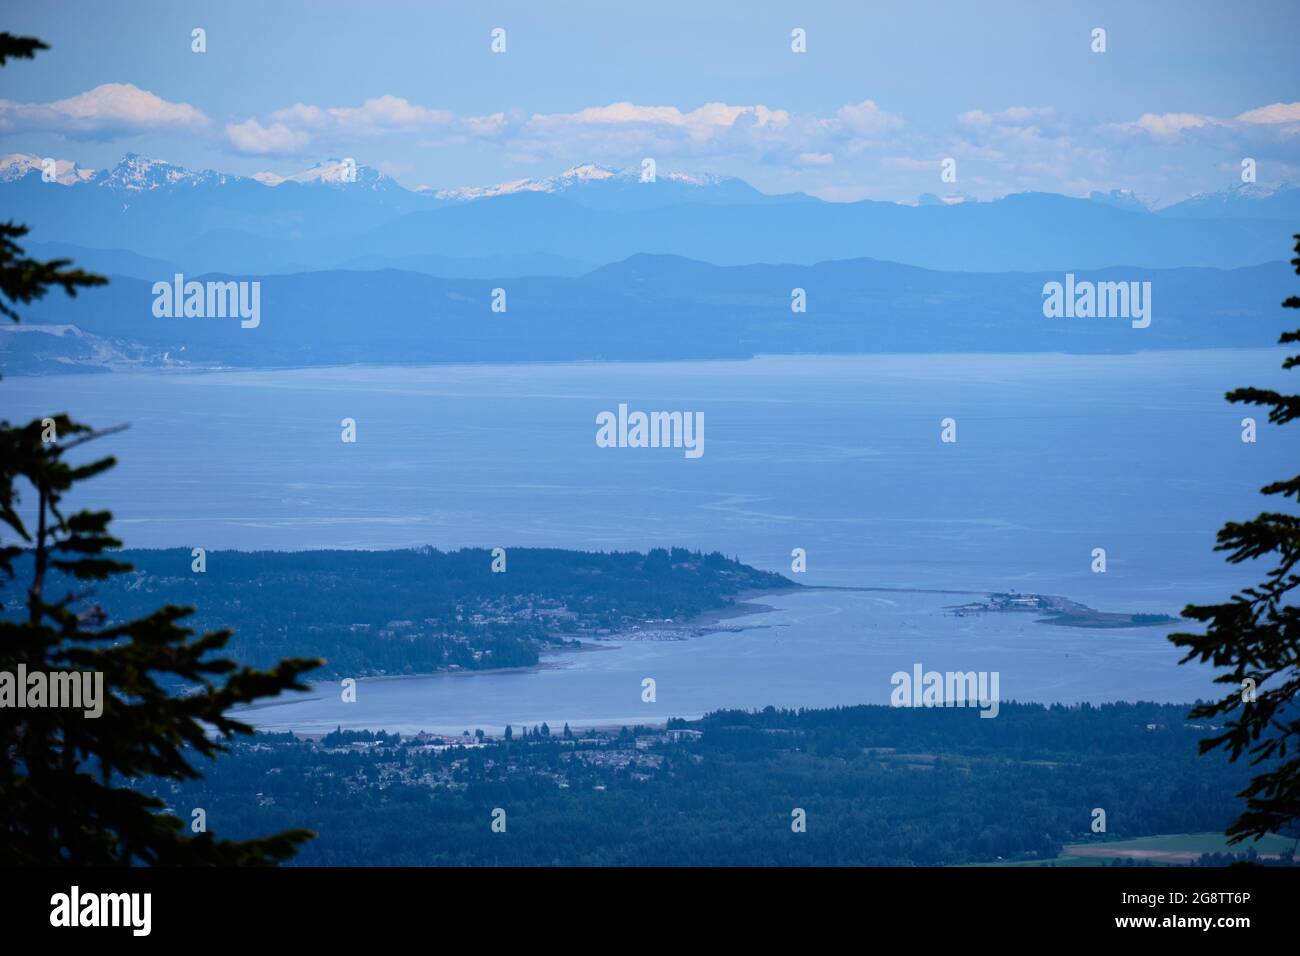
x=136 y=173
x=139 y=173
x=1242 y=201
x=322 y=219
x=605 y=187
x=645 y=308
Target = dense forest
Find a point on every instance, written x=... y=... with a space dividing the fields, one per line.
x=414 y=611
x=879 y=785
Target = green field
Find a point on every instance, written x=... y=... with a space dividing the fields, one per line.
x=1167 y=850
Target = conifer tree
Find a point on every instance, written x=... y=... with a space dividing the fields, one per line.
x=1256 y=635
x=66 y=778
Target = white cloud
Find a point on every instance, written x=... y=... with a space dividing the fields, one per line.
x=831 y=151
x=105 y=112
x=701 y=124
x=1166 y=124
x=1012 y=116
x=275 y=139
x=294 y=129
x=910 y=164
x=774 y=136
x=387 y=113
x=1016 y=149
x=1276 y=122
x=301 y=116
x=1275 y=114
x=614 y=129
x=866 y=118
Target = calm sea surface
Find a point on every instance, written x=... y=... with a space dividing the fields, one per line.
x=1056 y=456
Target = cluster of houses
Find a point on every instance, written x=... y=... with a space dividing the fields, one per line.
x=1010 y=601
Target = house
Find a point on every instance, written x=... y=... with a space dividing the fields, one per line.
x=679 y=735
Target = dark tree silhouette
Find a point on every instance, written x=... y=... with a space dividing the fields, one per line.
x=24 y=280
x=1256 y=635
x=65 y=776
x=18 y=48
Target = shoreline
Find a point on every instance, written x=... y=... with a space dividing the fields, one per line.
x=702 y=622
x=744 y=605
x=728 y=619
x=77 y=370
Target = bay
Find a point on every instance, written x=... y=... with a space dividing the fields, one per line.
x=841 y=456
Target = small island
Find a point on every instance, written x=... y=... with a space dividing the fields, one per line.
x=1057 y=610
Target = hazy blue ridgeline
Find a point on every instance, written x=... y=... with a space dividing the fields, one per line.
x=210 y=222
x=655 y=298
x=649 y=308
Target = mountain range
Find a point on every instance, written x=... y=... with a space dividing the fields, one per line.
x=597 y=264
x=648 y=307
x=591 y=215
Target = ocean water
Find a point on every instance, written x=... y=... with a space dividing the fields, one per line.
x=841 y=456
x=816 y=649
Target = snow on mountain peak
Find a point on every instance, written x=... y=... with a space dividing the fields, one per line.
x=573 y=177
x=1120 y=199
x=328 y=171
x=700 y=179
x=332 y=172
x=136 y=173
x=15 y=166
x=1247 y=191
x=587 y=172
x=931 y=199
x=465 y=193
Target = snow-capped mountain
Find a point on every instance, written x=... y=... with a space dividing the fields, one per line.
x=137 y=173
x=602 y=186
x=1242 y=201
x=140 y=174
x=952 y=199
x=1120 y=199
x=574 y=176
x=17 y=165
x=335 y=172
x=590 y=184
x=134 y=173
x=591 y=214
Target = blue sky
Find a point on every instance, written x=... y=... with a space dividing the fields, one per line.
x=885 y=92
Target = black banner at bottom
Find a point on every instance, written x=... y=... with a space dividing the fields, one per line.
x=360 y=905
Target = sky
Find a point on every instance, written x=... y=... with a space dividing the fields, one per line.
x=1013 y=92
